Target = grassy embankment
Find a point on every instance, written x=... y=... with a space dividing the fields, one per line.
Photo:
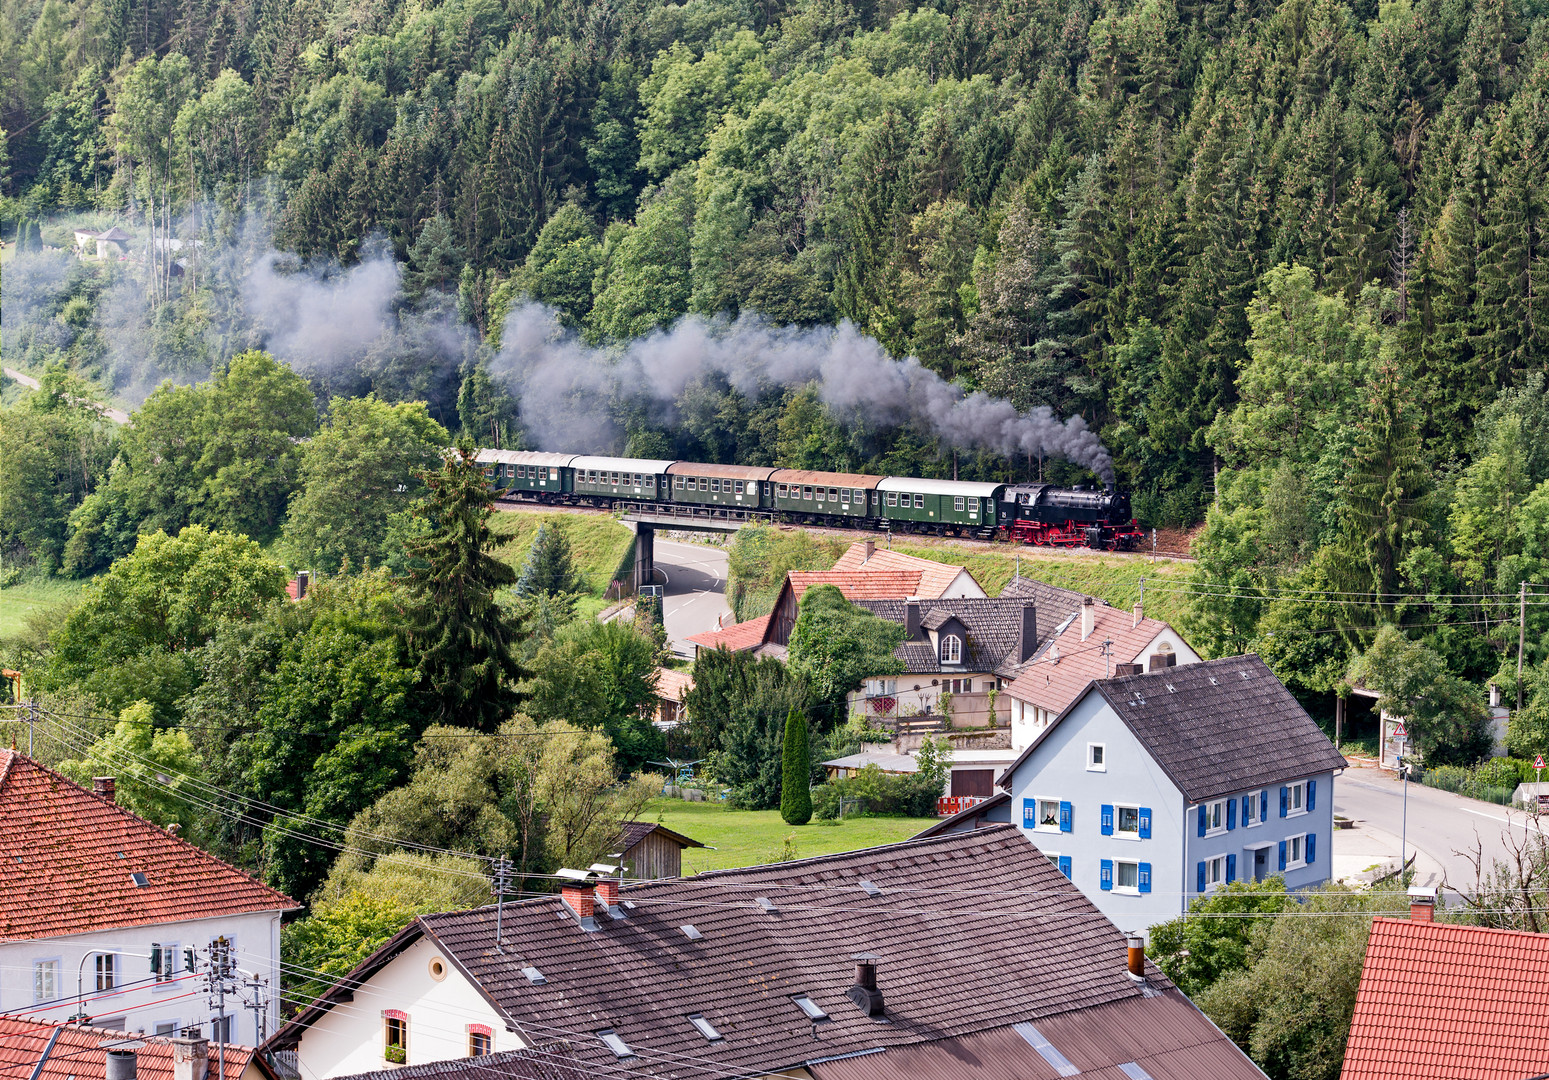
x=33 y=594
x=760 y=557
x=597 y=545
x=750 y=837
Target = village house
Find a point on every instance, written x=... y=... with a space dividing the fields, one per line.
x=671 y=697
x=97 y=908
x=1464 y=1002
x=786 y=970
x=35 y=1050
x=1150 y=790
x=649 y=850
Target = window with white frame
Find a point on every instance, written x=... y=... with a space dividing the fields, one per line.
x=1215 y=873
x=106 y=970
x=780 y=490
x=1126 y=876
x=1251 y=804
x=1296 y=799
x=1096 y=757
x=1126 y=822
x=45 y=981
x=881 y=687
x=1296 y=851
x=1049 y=815
x=892 y=498
x=844 y=496
x=951 y=649
x=1215 y=817
x=919 y=502
x=957 y=503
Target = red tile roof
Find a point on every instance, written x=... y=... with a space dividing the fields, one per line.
x=734 y=638
x=1054 y=685
x=1438 y=1000
x=935 y=577
x=80 y=1053
x=673 y=685
x=860 y=584
x=66 y=856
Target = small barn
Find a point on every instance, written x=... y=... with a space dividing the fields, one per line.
x=113 y=244
x=651 y=850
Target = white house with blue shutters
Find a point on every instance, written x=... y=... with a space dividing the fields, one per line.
x=1150 y=790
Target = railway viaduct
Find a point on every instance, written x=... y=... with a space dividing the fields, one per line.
x=644 y=523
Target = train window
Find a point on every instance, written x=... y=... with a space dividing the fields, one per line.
x=919 y=502
x=806 y=493
x=844 y=496
x=780 y=491
x=821 y=493
x=679 y=484
x=833 y=494
x=892 y=498
x=957 y=504
x=704 y=485
x=860 y=496
x=553 y=474
x=737 y=487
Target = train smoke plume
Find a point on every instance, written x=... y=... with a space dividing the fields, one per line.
x=565 y=386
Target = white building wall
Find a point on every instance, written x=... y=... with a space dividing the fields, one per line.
x=137 y=1001
x=350 y=1038
x=963 y=585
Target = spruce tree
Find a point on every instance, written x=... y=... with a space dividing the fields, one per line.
x=459 y=634
x=549 y=570
x=796 y=772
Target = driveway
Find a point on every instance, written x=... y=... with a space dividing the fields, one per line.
x=695 y=580
x=1442 y=826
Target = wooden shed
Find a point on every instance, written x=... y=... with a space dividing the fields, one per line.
x=652 y=850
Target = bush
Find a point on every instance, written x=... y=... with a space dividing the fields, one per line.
x=825 y=802
x=1493 y=781
x=905 y=794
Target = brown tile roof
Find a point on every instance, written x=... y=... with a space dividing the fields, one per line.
x=66 y=856
x=1164 y=1034
x=730 y=472
x=79 y=1053
x=548 y=1060
x=672 y=685
x=935 y=577
x=736 y=637
x=1195 y=720
x=994 y=630
x=860 y=584
x=1455 y=1001
x=1008 y=939
x=1054 y=603
x=636 y=831
x=1054 y=685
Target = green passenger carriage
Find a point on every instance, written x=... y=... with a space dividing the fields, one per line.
x=919 y=505
x=619 y=478
x=813 y=496
x=528 y=474
x=738 y=487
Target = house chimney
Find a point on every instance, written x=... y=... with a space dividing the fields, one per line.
x=1162 y=660
x=1121 y=670
x=303 y=579
x=1422 y=903
x=1027 y=638
x=1495 y=695
x=190 y=1057
x=865 y=993
x=576 y=893
x=121 y=1064
x=103 y=786
x=607 y=892
x=1088 y=618
x=911 y=619
x=1137 y=956
x=871 y=549
x=1140 y=613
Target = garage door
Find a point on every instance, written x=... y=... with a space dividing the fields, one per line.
x=980 y=782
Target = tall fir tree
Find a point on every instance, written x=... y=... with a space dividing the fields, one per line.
x=796 y=772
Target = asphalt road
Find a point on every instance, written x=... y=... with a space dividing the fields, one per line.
x=1442 y=826
x=695 y=580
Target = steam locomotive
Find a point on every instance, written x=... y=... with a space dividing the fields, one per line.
x=1040 y=514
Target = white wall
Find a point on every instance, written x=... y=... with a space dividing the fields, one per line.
x=1171 y=637
x=963 y=585
x=350 y=1037
x=137 y=997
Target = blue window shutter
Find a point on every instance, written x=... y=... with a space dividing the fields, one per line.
x=1231 y=814
x=1309 y=846
x=1145 y=823
x=1285 y=800
x=1200 y=878
x=1231 y=869
x=1107 y=820
x=1066 y=817
x=1312 y=795
x=1029 y=813
x=1282 y=854
x=1065 y=865
x=1106 y=878
x=1263 y=805
x=1202 y=820
x=1145 y=877
x=1247 y=810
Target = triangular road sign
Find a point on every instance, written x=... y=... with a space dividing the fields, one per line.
x=1400 y=733
x=1538 y=762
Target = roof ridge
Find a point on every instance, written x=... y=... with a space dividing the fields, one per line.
x=5 y=766
x=1427 y=927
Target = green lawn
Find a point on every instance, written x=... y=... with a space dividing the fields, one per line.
x=597 y=545
x=20 y=600
x=749 y=837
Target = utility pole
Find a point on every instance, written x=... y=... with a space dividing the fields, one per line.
x=1521 y=636
x=499 y=887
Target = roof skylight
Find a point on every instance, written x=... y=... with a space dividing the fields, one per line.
x=767 y=904
x=1057 y=1061
x=139 y=879
x=534 y=976
x=615 y=1043
x=1135 y=1072
x=691 y=932
x=813 y=1010
x=707 y=1029
x=869 y=889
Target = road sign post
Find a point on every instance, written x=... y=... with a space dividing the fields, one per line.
x=1402 y=735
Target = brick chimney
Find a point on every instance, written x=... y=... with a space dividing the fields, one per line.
x=607 y=892
x=1137 y=956
x=190 y=1057
x=911 y=619
x=1422 y=903
x=1088 y=618
x=1140 y=613
x=576 y=892
x=1122 y=670
x=1027 y=636
x=871 y=549
x=103 y=786
x=865 y=993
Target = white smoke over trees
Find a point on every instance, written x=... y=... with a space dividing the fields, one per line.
x=569 y=390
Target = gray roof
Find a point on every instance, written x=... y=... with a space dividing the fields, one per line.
x=994 y=627
x=636 y=831
x=1013 y=940
x=547 y=1060
x=1215 y=727
x=1054 y=603
x=966 y=488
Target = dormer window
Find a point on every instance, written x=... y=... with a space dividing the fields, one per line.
x=951 y=649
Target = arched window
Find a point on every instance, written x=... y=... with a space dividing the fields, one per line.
x=951 y=649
